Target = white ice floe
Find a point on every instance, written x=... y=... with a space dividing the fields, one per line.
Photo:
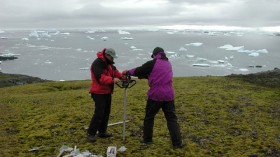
x=127 y=38
x=123 y=32
x=189 y=56
x=243 y=69
x=262 y=51
x=170 y=52
x=39 y=34
x=183 y=49
x=26 y=39
x=90 y=31
x=91 y=38
x=65 y=33
x=221 y=61
x=84 y=68
x=202 y=65
x=104 y=38
x=195 y=44
x=231 y=48
x=137 y=49
x=9 y=55
x=133 y=47
x=48 y=62
x=254 y=54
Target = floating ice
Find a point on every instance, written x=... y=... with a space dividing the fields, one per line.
x=39 y=34
x=133 y=47
x=254 y=54
x=26 y=39
x=123 y=32
x=202 y=65
x=195 y=44
x=90 y=31
x=137 y=49
x=231 y=48
x=104 y=38
x=170 y=52
x=221 y=61
x=48 y=62
x=183 y=49
x=127 y=38
x=243 y=69
x=189 y=56
x=91 y=38
x=65 y=33
x=262 y=51
x=9 y=55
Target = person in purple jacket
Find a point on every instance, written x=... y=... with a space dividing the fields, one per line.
x=160 y=95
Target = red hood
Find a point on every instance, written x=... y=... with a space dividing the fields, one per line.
x=101 y=55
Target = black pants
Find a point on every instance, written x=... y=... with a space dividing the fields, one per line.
x=168 y=108
x=102 y=111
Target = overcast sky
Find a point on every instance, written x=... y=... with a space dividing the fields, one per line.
x=125 y=13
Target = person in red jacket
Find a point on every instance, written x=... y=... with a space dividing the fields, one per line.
x=104 y=75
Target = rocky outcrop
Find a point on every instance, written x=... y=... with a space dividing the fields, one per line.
x=270 y=78
x=7 y=80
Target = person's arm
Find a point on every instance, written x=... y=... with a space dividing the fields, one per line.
x=144 y=70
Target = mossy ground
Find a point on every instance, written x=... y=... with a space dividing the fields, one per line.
x=218 y=116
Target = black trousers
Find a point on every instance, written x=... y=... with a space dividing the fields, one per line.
x=102 y=111
x=168 y=108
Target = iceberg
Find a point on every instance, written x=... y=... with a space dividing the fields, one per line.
x=39 y=34
x=183 y=49
x=254 y=54
x=231 y=48
x=262 y=51
x=65 y=33
x=127 y=38
x=123 y=32
x=201 y=65
x=26 y=39
x=91 y=38
x=195 y=44
x=243 y=69
x=104 y=38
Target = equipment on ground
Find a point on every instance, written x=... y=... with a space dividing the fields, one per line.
x=126 y=83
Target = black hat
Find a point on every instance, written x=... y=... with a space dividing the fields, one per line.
x=157 y=50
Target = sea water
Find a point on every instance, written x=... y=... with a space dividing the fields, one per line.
x=68 y=54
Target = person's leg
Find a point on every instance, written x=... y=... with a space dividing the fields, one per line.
x=104 y=122
x=172 y=124
x=152 y=109
x=100 y=102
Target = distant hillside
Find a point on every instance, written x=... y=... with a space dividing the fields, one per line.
x=7 y=80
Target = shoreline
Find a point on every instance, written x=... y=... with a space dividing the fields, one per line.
x=269 y=78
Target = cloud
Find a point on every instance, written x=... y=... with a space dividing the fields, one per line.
x=89 y=13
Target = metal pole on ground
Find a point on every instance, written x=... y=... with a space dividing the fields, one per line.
x=124 y=113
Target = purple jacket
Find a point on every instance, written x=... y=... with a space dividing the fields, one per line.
x=159 y=74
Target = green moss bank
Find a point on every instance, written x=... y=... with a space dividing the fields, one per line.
x=218 y=116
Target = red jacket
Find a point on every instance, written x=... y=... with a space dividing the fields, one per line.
x=102 y=75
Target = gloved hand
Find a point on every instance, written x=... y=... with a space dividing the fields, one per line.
x=116 y=80
x=123 y=77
